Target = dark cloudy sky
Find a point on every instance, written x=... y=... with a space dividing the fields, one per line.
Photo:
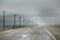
x=39 y=11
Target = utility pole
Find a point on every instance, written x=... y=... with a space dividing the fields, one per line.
x=3 y=19
x=14 y=20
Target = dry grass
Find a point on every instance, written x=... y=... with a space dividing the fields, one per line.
x=2 y=33
x=8 y=27
x=55 y=30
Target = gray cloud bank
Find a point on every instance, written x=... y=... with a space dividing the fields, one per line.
x=39 y=11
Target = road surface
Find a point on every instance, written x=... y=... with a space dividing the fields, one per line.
x=26 y=34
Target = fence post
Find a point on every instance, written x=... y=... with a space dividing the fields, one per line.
x=14 y=21
x=24 y=21
x=3 y=19
x=20 y=21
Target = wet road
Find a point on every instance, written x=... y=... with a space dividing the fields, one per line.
x=26 y=34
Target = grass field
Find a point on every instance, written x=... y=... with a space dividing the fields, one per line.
x=54 y=29
x=8 y=27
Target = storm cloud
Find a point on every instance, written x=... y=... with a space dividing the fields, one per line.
x=39 y=11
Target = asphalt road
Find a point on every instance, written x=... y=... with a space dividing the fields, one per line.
x=26 y=34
